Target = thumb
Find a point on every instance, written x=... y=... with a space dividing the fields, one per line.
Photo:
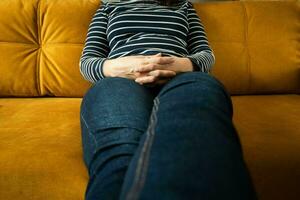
x=158 y=54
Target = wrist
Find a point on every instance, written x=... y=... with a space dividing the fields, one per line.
x=107 y=67
x=186 y=65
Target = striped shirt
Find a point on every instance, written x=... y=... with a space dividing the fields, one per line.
x=143 y=27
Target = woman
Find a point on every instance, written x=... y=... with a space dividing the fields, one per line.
x=155 y=124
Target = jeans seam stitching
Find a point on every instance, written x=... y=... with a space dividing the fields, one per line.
x=89 y=132
x=140 y=173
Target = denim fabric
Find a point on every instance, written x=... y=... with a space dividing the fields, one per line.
x=170 y=142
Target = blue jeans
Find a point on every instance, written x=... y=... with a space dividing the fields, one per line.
x=171 y=142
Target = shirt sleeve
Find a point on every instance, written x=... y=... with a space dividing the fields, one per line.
x=200 y=52
x=96 y=47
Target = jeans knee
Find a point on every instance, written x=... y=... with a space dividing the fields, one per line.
x=197 y=87
x=201 y=80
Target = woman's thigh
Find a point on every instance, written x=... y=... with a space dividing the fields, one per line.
x=111 y=103
x=191 y=149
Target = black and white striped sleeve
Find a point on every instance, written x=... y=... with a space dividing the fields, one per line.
x=200 y=52
x=96 y=47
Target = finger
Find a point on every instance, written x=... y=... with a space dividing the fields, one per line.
x=146 y=68
x=157 y=58
x=161 y=60
x=158 y=82
x=149 y=58
x=151 y=67
x=162 y=73
x=146 y=79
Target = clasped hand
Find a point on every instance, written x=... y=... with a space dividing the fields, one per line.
x=153 y=70
x=147 y=70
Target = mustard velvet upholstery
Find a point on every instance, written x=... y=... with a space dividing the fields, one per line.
x=256 y=44
x=41 y=42
x=41 y=155
x=269 y=130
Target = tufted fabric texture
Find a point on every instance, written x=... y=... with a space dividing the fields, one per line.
x=256 y=45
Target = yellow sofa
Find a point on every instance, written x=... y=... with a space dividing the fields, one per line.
x=256 y=44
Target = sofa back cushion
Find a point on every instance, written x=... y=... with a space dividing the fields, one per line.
x=40 y=46
x=256 y=45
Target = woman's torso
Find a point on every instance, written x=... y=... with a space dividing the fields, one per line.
x=145 y=27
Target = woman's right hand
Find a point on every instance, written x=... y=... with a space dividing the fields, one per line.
x=124 y=67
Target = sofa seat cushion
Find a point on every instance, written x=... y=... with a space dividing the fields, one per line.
x=41 y=152
x=269 y=129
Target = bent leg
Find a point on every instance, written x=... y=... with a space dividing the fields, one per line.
x=114 y=114
x=191 y=149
